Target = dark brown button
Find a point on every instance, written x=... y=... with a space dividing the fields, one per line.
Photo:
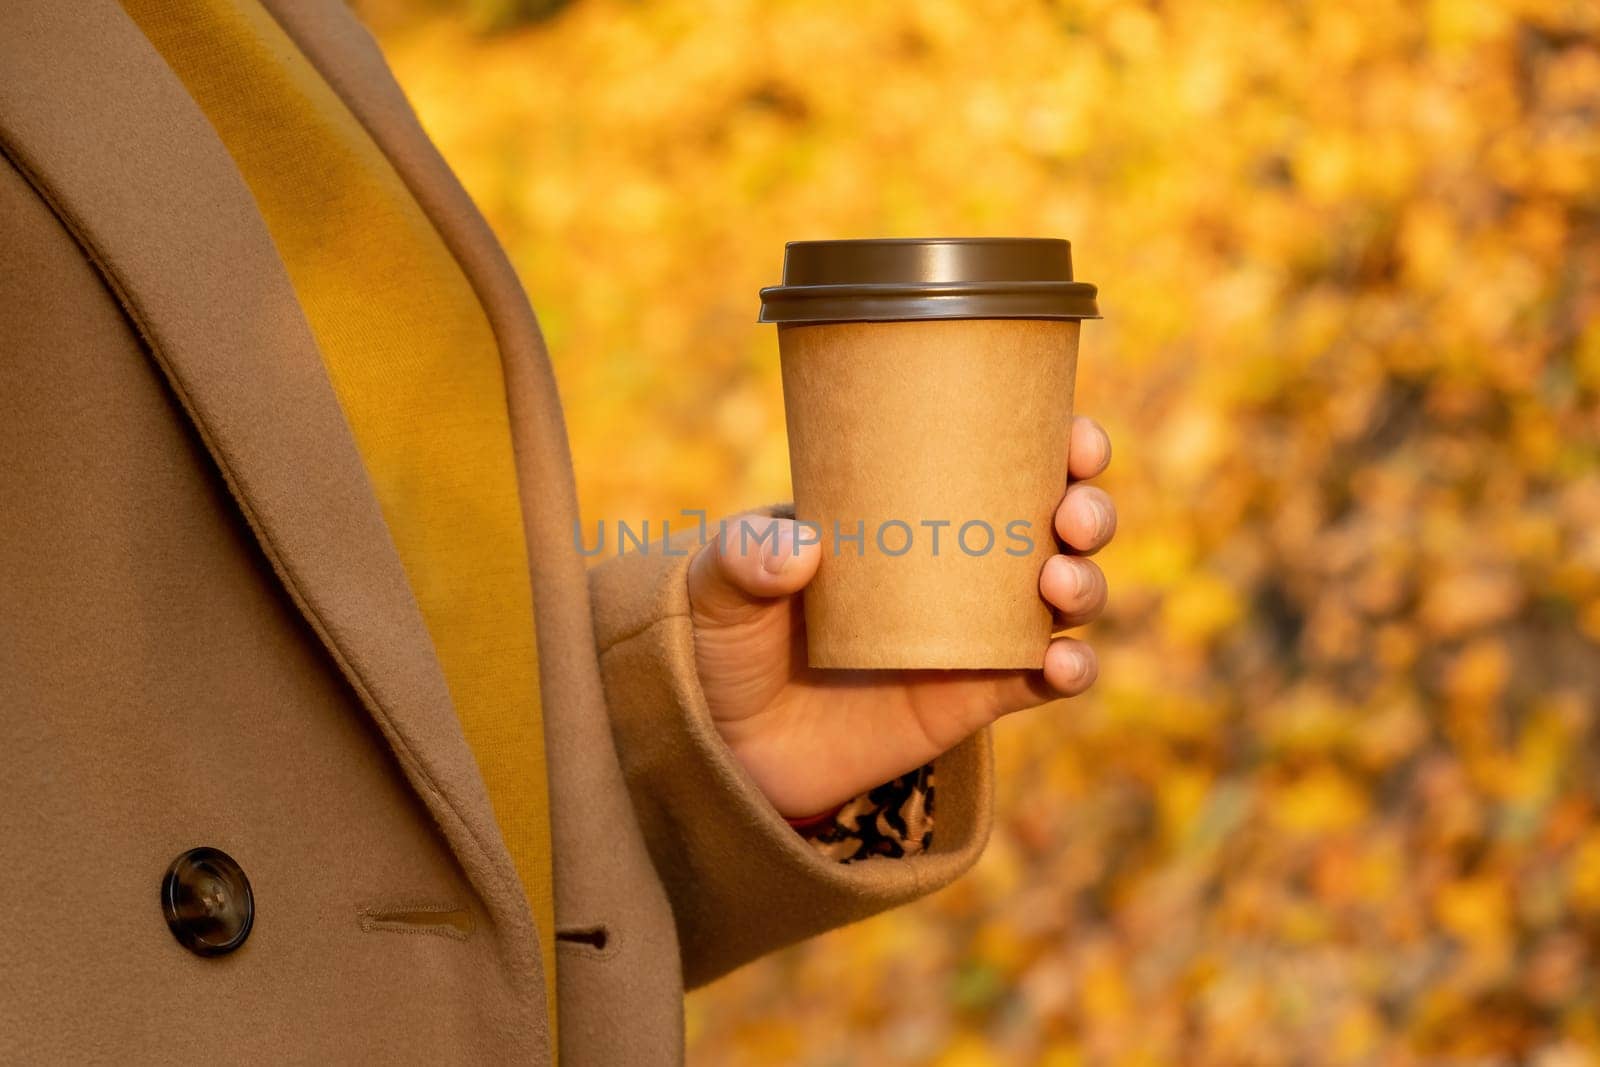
x=207 y=901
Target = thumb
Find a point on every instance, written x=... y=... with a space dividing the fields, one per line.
x=753 y=561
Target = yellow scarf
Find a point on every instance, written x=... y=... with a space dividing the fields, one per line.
x=415 y=366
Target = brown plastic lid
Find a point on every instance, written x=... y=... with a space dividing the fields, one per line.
x=887 y=279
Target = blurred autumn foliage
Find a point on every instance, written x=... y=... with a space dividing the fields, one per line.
x=1337 y=796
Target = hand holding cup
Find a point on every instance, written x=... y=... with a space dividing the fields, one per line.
x=938 y=543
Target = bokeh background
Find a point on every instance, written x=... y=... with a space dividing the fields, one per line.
x=1337 y=796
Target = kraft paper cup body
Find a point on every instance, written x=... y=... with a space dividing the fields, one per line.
x=928 y=459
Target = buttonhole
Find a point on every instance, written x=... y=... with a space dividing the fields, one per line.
x=448 y=922
x=594 y=937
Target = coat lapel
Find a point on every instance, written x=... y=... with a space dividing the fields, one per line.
x=588 y=796
x=108 y=135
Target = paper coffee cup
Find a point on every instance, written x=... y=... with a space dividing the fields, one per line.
x=928 y=392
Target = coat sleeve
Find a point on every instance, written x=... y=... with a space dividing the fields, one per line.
x=741 y=880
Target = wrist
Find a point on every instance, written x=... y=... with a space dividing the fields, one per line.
x=812 y=822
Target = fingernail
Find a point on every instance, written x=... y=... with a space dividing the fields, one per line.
x=1080 y=581
x=1103 y=518
x=1080 y=667
x=779 y=550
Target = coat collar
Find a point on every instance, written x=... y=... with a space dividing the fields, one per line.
x=104 y=131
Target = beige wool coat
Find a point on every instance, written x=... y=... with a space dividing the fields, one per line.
x=206 y=638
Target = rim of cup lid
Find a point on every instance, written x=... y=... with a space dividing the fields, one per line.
x=886 y=279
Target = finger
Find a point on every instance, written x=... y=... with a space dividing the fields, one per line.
x=975 y=698
x=1070 y=666
x=752 y=562
x=1075 y=587
x=1089 y=452
x=1086 y=519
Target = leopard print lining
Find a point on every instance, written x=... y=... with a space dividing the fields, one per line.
x=894 y=820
